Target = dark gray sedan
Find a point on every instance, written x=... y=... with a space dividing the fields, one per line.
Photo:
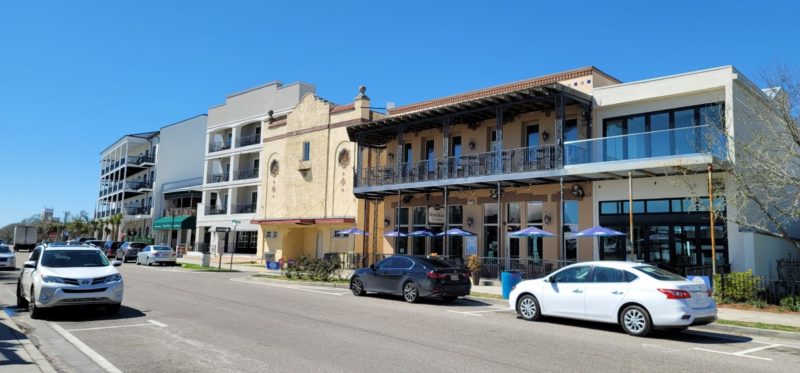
x=413 y=277
x=129 y=250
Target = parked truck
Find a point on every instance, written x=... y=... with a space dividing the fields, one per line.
x=24 y=237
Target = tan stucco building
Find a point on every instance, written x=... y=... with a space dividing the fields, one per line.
x=308 y=183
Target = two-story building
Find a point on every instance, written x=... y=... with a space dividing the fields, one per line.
x=308 y=183
x=563 y=153
x=232 y=168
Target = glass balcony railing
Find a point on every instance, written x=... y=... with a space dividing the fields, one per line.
x=672 y=142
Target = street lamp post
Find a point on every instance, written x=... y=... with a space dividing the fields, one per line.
x=235 y=223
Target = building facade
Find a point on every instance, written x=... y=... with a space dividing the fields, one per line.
x=563 y=153
x=232 y=171
x=308 y=183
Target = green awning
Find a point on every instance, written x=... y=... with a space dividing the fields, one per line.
x=177 y=222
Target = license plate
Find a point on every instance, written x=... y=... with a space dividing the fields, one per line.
x=453 y=277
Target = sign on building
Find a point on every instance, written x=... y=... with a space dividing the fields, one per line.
x=435 y=216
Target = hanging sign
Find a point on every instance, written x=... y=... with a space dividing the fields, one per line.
x=435 y=216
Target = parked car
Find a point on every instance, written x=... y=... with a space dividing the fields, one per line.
x=111 y=247
x=60 y=275
x=128 y=251
x=639 y=297
x=96 y=243
x=413 y=277
x=159 y=254
x=7 y=258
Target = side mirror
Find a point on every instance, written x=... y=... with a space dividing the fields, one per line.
x=29 y=264
x=372 y=267
x=116 y=263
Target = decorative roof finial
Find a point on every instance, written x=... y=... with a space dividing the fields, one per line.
x=361 y=95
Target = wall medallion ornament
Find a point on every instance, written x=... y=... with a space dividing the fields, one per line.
x=274 y=168
x=344 y=158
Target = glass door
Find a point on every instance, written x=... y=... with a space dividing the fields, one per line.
x=659 y=248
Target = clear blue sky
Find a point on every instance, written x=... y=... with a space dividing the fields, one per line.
x=77 y=75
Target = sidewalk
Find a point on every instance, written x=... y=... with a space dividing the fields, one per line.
x=17 y=353
x=788 y=319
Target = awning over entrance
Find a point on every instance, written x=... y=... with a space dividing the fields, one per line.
x=177 y=222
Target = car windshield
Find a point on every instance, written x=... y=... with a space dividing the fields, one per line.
x=659 y=274
x=137 y=245
x=434 y=263
x=162 y=248
x=4 y=250
x=73 y=258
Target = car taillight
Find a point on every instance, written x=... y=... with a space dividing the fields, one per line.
x=675 y=293
x=436 y=276
x=155 y=254
x=709 y=292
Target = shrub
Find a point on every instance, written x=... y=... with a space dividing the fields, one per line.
x=312 y=268
x=791 y=303
x=757 y=303
x=737 y=287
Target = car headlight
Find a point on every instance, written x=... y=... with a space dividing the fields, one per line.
x=53 y=279
x=114 y=278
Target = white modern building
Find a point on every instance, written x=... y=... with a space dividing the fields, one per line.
x=127 y=173
x=232 y=167
x=177 y=190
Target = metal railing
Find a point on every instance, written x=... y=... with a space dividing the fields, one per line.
x=507 y=161
x=218 y=146
x=746 y=287
x=248 y=140
x=216 y=210
x=140 y=159
x=179 y=211
x=529 y=268
x=138 y=210
x=218 y=178
x=249 y=173
x=705 y=270
x=138 y=184
x=244 y=208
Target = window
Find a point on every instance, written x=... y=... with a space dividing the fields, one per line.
x=659 y=274
x=419 y=222
x=570 y=226
x=490 y=213
x=533 y=218
x=490 y=234
x=658 y=206
x=306 y=150
x=605 y=274
x=434 y=263
x=570 y=130
x=573 y=274
x=339 y=234
x=270 y=234
x=401 y=243
x=629 y=277
x=402 y=263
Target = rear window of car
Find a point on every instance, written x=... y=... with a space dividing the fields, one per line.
x=659 y=274
x=162 y=248
x=137 y=245
x=434 y=263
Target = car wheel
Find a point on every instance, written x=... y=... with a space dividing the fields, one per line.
x=113 y=309
x=21 y=301
x=36 y=312
x=138 y=263
x=410 y=292
x=147 y=262
x=357 y=287
x=449 y=299
x=635 y=321
x=528 y=308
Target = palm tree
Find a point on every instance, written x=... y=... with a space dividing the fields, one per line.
x=115 y=221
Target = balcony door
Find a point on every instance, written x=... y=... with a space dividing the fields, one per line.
x=430 y=157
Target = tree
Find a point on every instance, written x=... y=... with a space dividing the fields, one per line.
x=761 y=185
x=115 y=221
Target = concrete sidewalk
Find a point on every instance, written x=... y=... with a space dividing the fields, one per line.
x=787 y=319
x=17 y=353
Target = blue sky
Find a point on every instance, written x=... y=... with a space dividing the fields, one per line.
x=77 y=75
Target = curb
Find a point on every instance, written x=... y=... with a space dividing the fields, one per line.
x=32 y=351
x=747 y=331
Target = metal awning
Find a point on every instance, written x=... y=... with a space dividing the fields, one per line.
x=177 y=222
x=378 y=132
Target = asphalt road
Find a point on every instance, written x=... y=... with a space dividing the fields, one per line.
x=180 y=321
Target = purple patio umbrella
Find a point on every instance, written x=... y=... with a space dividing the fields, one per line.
x=455 y=232
x=394 y=234
x=598 y=231
x=531 y=232
x=421 y=233
x=353 y=230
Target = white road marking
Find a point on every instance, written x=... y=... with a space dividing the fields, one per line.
x=149 y=323
x=464 y=313
x=477 y=313
x=92 y=354
x=732 y=354
x=290 y=287
x=745 y=352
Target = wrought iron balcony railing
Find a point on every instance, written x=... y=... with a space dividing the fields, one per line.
x=250 y=173
x=216 y=210
x=249 y=140
x=218 y=178
x=218 y=146
x=244 y=208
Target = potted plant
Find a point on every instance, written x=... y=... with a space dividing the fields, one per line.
x=474 y=266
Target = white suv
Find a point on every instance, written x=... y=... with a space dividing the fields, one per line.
x=60 y=275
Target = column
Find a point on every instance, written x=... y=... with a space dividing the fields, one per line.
x=498 y=145
x=559 y=130
x=445 y=170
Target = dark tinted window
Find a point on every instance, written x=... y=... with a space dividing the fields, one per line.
x=629 y=277
x=434 y=263
x=73 y=258
x=162 y=248
x=659 y=274
x=35 y=255
x=5 y=249
x=605 y=274
x=574 y=274
x=402 y=263
x=384 y=263
x=137 y=245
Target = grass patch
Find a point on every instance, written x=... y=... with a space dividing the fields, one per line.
x=760 y=325
x=486 y=295
x=197 y=267
x=284 y=278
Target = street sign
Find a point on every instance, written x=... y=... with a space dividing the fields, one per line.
x=236 y=221
x=222 y=230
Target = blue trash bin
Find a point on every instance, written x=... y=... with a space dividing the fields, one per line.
x=508 y=279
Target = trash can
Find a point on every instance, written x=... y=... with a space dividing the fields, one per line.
x=205 y=261
x=508 y=279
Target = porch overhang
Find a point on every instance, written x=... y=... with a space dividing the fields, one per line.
x=469 y=111
x=303 y=221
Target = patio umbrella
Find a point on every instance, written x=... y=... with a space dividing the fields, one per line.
x=421 y=233
x=531 y=232
x=353 y=230
x=598 y=231
x=455 y=232
x=394 y=234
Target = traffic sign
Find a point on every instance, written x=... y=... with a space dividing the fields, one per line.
x=236 y=221
x=222 y=230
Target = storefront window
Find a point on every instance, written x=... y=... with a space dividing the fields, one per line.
x=533 y=212
x=570 y=227
x=490 y=213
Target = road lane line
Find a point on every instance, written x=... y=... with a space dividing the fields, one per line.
x=156 y=323
x=464 y=313
x=732 y=354
x=149 y=323
x=289 y=287
x=92 y=354
x=745 y=352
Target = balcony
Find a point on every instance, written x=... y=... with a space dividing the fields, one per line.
x=139 y=185
x=139 y=160
x=179 y=211
x=218 y=146
x=138 y=210
x=250 y=173
x=665 y=143
x=244 y=208
x=218 y=178
x=216 y=210
x=248 y=140
x=508 y=161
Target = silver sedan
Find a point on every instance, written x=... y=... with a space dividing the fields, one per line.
x=159 y=254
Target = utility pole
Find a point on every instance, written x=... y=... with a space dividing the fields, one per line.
x=711 y=218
